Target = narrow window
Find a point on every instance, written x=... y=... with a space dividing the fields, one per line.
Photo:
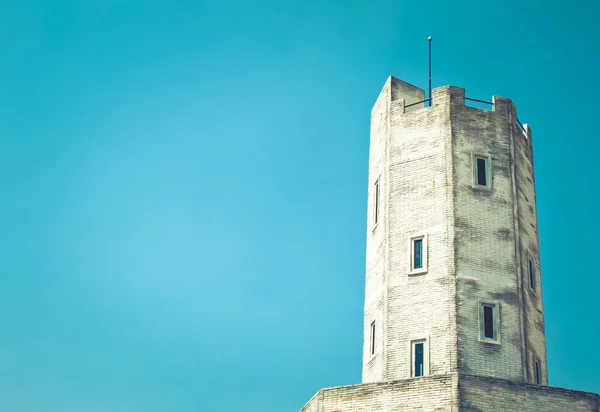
x=418 y=248
x=372 y=340
x=418 y=254
x=488 y=316
x=482 y=171
x=418 y=358
x=538 y=371
x=376 y=203
x=531 y=275
x=481 y=175
x=488 y=322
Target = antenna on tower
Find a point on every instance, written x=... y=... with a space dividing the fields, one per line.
x=429 y=39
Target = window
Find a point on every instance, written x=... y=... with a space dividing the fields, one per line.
x=372 y=340
x=482 y=171
x=481 y=175
x=531 y=275
x=537 y=370
x=489 y=322
x=418 y=254
x=419 y=358
x=376 y=203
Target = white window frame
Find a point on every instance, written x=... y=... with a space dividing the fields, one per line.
x=411 y=254
x=411 y=355
x=495 y=321
x=372 y=338
x=537 y=370
x=531 y=274
x=488 y=170
x=376 y=202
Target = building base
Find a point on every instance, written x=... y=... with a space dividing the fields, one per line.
x=451 y=392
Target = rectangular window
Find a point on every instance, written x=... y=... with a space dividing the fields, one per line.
x=419 y=358
x=531 y=275
x=489 y=322
x=418 y=254
x=418 y=366
x=376 y=203
x=418 y=247
x=537 y=371
x=481 y=175
x=372 y=340
x=482 y=171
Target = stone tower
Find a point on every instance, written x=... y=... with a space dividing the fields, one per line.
x=452 y=276
x=453 y=315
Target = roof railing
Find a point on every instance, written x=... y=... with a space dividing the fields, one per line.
x=521 y=126
x=479 y=101
x=414 y=104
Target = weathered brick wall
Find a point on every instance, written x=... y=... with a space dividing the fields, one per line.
x=528 y=248
x=375 y=253
x=427 y=394
x=477 y=394
x=410 y=155
x=420 y=305
x=486 y=263
x=451 y=392
x=377 y=263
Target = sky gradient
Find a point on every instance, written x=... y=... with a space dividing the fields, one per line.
x=183 y=203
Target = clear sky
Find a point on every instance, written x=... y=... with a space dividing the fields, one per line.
x=183 y=188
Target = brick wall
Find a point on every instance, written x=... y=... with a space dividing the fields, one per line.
x=410 y=156
x=528 y=247
x=479 y=394
x=427 y=394
x=487 y=266
x=419 y=305
x=375 y=257
x=451 y=392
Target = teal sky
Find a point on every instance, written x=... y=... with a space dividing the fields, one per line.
x=183 y=188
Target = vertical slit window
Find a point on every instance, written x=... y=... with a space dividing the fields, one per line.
x=419 y=358
x=481 y=174
x=531 y=275
x=418 y=252
x=376 y=203
x=488 y=322
x=538 y=371
x=372 y=340
x=488 y=317
x=482 y=171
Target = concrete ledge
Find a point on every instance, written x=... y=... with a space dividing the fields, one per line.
x=451 y=392
x=480 y=393
x=426 y=393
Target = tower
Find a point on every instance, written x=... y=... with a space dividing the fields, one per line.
x=452 y=271
x=453 y=313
